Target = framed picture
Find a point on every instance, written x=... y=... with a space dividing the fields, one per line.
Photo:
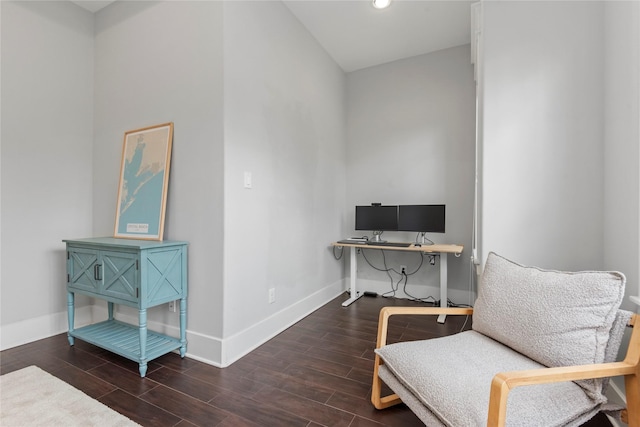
x=144 y=178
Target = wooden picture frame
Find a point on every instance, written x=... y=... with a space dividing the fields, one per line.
x=144 y=179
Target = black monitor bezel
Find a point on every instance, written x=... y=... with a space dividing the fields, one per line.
x=360 y=224
x=405 y=224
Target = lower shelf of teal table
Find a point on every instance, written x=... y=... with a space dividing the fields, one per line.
x=124 y=339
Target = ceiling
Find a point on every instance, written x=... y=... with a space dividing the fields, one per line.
x=358 y=36
x=92 y=5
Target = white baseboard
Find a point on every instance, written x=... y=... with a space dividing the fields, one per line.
x=205 y=348
x=223 y=352
x=418 y=291
x=201 y=347
x=29 y=330
x=615 y=395
x=238 y=345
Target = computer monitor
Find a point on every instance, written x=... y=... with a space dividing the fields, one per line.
x=377 y=219
x=421 y=218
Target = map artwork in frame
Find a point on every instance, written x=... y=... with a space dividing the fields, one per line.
x=144 y=178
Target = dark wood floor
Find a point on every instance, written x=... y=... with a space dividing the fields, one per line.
x=318 y=372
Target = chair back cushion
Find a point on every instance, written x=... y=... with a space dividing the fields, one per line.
x=555 y=318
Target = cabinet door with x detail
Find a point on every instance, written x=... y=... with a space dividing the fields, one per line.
x=82 y=269
x=120 y=275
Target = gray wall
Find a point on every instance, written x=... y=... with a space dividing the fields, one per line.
x=543 y=174
x=146 y=63
x=411 y=127
x=284 y=123
x=63 y=123
x=622 y=148
x=561 y=156
x=46 y=162
x=158 y=62
x=561 y=132
x=622 y=143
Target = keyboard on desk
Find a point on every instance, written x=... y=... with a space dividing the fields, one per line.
x=353 y=242
x=393 y=244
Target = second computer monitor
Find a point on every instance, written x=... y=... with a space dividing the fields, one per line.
x=421 y=218
x=377 y=218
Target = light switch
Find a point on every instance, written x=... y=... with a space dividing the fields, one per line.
x=247 y=180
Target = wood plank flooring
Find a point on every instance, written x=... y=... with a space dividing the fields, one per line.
x=316 y=373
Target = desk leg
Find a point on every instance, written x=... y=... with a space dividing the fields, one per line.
x=443 y=286
x=352 y=279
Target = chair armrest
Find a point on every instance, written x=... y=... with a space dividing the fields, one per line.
x=503 y=382
x=387 y=312
x=379 y=401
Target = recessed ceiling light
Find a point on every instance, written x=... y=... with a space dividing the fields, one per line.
x=381 y=4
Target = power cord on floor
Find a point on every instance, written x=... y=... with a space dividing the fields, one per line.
x=404 y=277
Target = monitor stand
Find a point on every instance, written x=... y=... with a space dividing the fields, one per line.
x=376 y=237
x=425 y=240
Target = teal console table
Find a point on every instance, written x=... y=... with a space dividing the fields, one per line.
x=135 y=273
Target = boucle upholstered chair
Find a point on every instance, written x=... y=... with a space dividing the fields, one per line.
x=557 y=333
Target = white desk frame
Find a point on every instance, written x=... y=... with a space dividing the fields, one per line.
x=443 y=250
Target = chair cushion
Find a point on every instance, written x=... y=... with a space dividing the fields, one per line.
x=452 y=376
x=555 y=318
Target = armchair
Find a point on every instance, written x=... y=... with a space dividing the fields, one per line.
x=556 y=333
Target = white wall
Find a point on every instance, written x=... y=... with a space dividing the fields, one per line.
x=561 y=137
x=543 y=179
x=411 y=141
x=47 y=113
x=282 y=120
x=622 y=143
x=158 y=62
x=622 y=148
x=561 y=133
x=284 y=112
x=284 y=123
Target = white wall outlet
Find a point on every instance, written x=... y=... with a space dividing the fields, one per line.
x=172 y=306
x=272 y=295
x=403 y=269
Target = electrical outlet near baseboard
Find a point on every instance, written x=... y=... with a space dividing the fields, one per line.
x=403 y=269
x=172 y=306
x=272 y=295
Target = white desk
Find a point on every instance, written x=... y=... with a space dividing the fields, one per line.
x=443 y=250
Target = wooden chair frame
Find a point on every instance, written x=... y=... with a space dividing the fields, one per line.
x=504 y=382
